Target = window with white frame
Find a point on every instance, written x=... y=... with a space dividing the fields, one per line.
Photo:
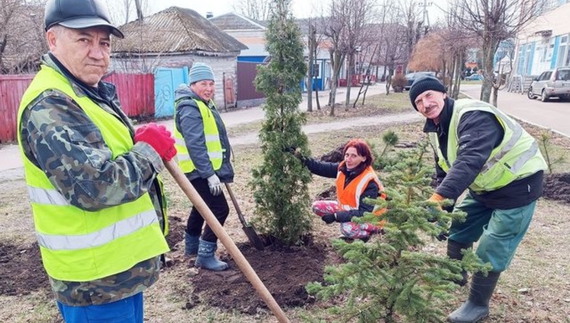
x=562 y=53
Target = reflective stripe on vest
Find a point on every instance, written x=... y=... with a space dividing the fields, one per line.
x=99 y=238
x=95 y=239
x=211 y=136
x=517 y=156
x=80 y=245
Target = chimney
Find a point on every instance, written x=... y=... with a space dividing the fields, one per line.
x=209 y=15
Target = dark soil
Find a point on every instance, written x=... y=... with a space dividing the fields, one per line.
x=284 y=271
x=21 y=270
x=557 y=187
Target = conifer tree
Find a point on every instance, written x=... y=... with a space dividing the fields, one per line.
x=393 y=278
x=280 y=182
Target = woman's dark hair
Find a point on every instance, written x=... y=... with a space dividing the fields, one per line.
x=362 y=149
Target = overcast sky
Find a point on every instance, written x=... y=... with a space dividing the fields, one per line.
x=301 y=8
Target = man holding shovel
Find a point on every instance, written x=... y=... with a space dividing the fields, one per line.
x=204 y=156
x=98 y=206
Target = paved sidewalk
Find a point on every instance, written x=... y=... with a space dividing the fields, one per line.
x=10 y=155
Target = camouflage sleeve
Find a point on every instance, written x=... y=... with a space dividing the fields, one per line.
x=61 y=139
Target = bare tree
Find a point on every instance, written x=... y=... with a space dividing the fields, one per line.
x=494 y=21
x=359 y=15
x=255 y=9
x=394 y=44
x=21 y=35
x=123 y=11
x=409 y=12
x=335 y=30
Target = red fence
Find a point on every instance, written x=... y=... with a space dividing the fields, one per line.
x=12 y=87
x=135 y=91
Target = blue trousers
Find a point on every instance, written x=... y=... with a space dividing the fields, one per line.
x=499 y=231
x=128 y=310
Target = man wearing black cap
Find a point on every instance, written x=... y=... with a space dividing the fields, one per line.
x=98 y=206
x=480 y=149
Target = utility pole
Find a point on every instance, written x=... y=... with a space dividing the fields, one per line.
x=425 y=19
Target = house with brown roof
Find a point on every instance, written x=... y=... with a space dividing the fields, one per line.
x=168 y=42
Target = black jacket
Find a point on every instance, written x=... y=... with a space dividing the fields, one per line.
x=330 y=170
x=479 y=133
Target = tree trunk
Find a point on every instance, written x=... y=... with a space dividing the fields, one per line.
x=310 y=71
x=495 y=96
x=349 y=73
x=488 y=55
x=336 y=58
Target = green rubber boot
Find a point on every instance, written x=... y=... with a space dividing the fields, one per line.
x=476 y=307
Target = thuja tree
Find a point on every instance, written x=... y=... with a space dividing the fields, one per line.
x=394 y=278
x=280 y=182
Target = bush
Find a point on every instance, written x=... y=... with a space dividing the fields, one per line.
x=398 y=82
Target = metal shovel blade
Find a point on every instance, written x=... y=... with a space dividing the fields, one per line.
x=247 y=228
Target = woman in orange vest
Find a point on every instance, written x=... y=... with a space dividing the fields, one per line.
x=355 y=181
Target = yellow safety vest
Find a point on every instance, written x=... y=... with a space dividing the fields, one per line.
x=516 y=157
x=79 y=245
x=212 y=136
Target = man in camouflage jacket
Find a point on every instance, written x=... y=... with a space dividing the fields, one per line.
x=82 y=153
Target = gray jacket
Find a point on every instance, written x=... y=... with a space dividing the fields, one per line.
x=189 y=123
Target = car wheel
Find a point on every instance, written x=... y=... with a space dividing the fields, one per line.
x=530 y=94
x=543 y=96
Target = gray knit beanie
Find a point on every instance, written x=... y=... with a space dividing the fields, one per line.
x=423 y=84
x=199 y=72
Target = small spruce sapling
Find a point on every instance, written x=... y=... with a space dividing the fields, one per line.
x=393 y=278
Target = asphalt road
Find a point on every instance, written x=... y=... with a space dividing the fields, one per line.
x=554 y=114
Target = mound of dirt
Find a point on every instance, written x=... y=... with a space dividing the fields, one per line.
x=21 y=270
x=557 y=187
x=283 y=270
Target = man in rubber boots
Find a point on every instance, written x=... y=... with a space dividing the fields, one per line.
x=481 y=149
x=98 y=206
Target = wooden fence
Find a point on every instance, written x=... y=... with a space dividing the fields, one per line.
x=135 y=91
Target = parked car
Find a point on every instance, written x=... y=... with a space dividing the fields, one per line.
x=474 y=77
x=551 y=83
x=411 y=77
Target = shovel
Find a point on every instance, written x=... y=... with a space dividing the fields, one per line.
x=247 y=228
x=236 y=254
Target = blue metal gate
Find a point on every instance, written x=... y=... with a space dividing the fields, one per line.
x=166 y=80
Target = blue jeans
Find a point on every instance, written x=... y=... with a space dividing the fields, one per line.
x=128 y=310
x=499 y=231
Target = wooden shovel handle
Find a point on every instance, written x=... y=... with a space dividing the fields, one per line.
x=215 y=225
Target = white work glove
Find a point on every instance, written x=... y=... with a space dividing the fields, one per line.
x=215 y=185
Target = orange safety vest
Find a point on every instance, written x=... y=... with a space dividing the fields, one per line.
x=349 y=196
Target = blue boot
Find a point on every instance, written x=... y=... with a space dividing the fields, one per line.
x=207 y=258
x=191 y=244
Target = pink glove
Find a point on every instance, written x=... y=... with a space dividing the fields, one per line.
x=159 y=138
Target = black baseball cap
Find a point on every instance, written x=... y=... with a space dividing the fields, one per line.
x=79 y=14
